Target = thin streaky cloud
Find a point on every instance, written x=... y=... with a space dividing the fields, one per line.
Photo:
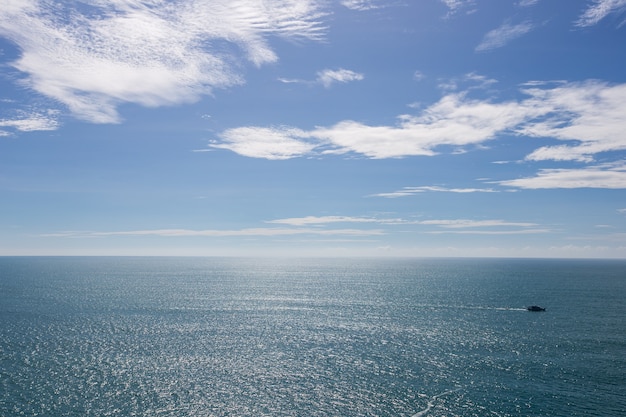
x=361 y=5
x=220 y=233
x=329 y=77
x=300 y=230
x=469 y=81
x=292 y=80
x=491 y=232
x=321 y=220
x=465 y=223
x=443 y=223
x=409 y=191
x=610 y=176
x=499 y=37
x=599 y=10
x=455 y=190
x=308 y=220
x=483 y=227
x=479 y=81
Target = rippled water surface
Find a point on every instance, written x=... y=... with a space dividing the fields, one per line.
x=311 y=337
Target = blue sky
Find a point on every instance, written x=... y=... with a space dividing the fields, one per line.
x=313 y=128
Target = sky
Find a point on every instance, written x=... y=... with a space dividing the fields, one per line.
x=409 y=128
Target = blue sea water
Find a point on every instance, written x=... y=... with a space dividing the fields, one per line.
x=311 y=337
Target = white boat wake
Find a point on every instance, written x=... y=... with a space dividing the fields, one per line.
x=431 y=403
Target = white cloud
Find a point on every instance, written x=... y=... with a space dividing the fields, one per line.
x=587 y=117
x=469 y=81
x=408 y=191
x=599 y=10
x=610 y=176
x=469 y=226
x=418 y=76
x=29 y=122
x=478 y=81
x=251 y=232
x=268 y=143
x=590 y=114
x=465 y=223
x=504 y=34
x=328 y=77
x=99 y=55
x=561 y=153
x=322 y=220
x=455 y=5
x=360 y=5
x=493 y=232
x=308 y=220
x=485 y=226
x=292 y=81
x=299 y=226
x=455 y=120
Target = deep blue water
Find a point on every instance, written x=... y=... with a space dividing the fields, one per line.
x=311 y=337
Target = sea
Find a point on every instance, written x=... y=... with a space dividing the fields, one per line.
x=159 y=336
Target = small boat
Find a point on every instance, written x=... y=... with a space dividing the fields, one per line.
x=535 y=308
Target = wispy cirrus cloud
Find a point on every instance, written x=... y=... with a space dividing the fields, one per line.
x=599 y=10
x=454 y=6
x=322 y=227
x=329 y=77
x=409 y=191
x=308 y=220
x=609 y=176
x=495 y=226
x=466 y=223
x=483 y=227
x=493 y=232
x=468 y=82
x=95 y=56
x=361 y=5
x=499 y=37
x=323 y=220
x=29 y=122
x=250 y=232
